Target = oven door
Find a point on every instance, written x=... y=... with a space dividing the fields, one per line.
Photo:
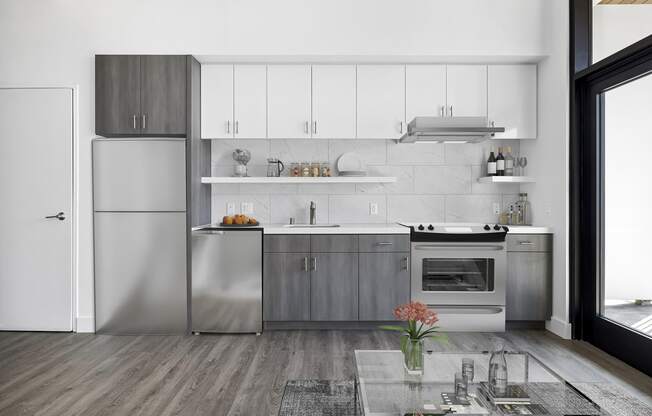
x=458 y=273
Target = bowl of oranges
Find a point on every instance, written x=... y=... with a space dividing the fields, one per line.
x=238 y=220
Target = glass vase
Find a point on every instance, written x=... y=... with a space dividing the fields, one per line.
x=413 y=356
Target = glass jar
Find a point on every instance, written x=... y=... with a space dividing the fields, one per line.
x=413 y=355
x=325 y=169
x=524 y=209
x=305 y=169
x=315 y=170
x=295 y=170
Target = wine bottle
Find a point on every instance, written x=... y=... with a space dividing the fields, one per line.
x=509 y=162
x=500 y=163
x=491 y=164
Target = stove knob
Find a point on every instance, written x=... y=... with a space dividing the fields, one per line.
x=430 y=227
x=487 y=227
x=497 y=227
x=420 y=227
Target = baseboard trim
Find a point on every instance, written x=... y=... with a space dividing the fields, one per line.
x=560 y=328
x=85 y=324
x=525 y=325
x=324 y=325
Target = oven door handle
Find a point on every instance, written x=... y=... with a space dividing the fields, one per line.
x=448 y=246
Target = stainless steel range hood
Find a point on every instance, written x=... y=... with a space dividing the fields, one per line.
x=449 y=130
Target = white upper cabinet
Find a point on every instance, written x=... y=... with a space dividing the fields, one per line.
x=216 y=101
x=513 y=100
x=381 y=101
x=249 y=101
x=333 y=101
x=425 y=91
x=288 y=101
x=466 y=93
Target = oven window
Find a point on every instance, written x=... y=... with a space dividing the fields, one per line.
x=458 y=275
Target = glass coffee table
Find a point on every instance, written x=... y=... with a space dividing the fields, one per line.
x=384 y=388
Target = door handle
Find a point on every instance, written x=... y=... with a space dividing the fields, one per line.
x=314 y=127
x=451 y=114
x=60 y=216
x=236 y=127
x=400 y=127
x=228 y=126
x=305 y=264
x=314 y=263
x=526 y=243
x=406 y=263
x=306 y=128
x=143 y=123
x=443 y=111
x=133 y=119
x=384 y=243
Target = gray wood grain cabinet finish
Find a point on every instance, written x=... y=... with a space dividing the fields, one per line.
x=529 y=277
x=295 y=243
x=334 y=287
x=140 y=95
x=384 y=283
x=117 y=95
x=334 y=243
x=286 y=289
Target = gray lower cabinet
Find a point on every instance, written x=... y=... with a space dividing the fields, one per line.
x=529 y=278
x=334 y=287
x=384 y=283
x=286 y=287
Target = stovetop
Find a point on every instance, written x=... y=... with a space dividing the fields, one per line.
x=456 y=232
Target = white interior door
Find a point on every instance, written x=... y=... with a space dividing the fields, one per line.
x=36 y=128
x=466 y=90
x=425 y=91
x=381 y=101
x=217 y=101
x=250 y=101
x=288 y=101
x=333 y=101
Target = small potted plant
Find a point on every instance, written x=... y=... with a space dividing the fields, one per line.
x=420 y=325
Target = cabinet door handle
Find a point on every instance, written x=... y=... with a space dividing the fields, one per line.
x=526 y=243
x=443 y=111
x=237 y=127
x=314 y=127
x=451 y=113
x=400 y=127
x=228 y=126
x=133 y=119
x=306 y=128
x=406 y=263
x=305 y=264
x=314 y=263
x=384 y=243
x=143 y=118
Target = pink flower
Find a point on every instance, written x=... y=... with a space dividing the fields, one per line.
x=416 y=311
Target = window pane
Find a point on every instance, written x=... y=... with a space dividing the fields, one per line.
x=628 y=202
x=616 y=26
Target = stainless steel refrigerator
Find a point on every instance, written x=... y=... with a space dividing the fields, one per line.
x=139 y=203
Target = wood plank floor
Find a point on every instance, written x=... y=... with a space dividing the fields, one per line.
x=84 y=374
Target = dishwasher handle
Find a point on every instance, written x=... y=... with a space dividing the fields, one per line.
x=208 y=232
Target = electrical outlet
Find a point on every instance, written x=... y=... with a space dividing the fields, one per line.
x=373 y=208
x=496 y=208
x=230 y=208
x=247 y=208
x=548 y=209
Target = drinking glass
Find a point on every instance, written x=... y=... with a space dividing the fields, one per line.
x=467 y=369
x=461 y=386
x=523 y=163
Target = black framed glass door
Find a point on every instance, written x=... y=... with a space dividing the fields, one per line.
x=612 y=161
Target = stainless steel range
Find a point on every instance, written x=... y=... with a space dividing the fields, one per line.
x=460 y=271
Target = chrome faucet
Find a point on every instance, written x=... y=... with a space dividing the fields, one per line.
x=313 y=213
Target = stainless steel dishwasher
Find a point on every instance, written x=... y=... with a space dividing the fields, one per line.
x=227 y=283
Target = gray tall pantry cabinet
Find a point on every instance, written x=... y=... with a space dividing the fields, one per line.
x=147 y=190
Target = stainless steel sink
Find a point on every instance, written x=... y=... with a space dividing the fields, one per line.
x=311 y=225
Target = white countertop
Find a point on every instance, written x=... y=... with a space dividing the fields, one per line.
x=528 y=229
x=342 y=229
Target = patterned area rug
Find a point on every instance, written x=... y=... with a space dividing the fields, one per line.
x=336 y=398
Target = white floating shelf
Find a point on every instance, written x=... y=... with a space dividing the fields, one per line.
x=506 y=179
x=291 y=179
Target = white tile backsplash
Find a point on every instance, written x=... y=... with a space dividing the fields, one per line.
x=435 y=182
x=348 y=209
x=442 y=180
x=414 y=208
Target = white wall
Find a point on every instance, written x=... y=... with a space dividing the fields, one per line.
x=548 y=156
x=618 y=26
x=53 y=42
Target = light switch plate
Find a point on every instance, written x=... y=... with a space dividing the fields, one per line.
x=373 y=208
x=230 y=208
x=496 y=208
x=247 y=208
